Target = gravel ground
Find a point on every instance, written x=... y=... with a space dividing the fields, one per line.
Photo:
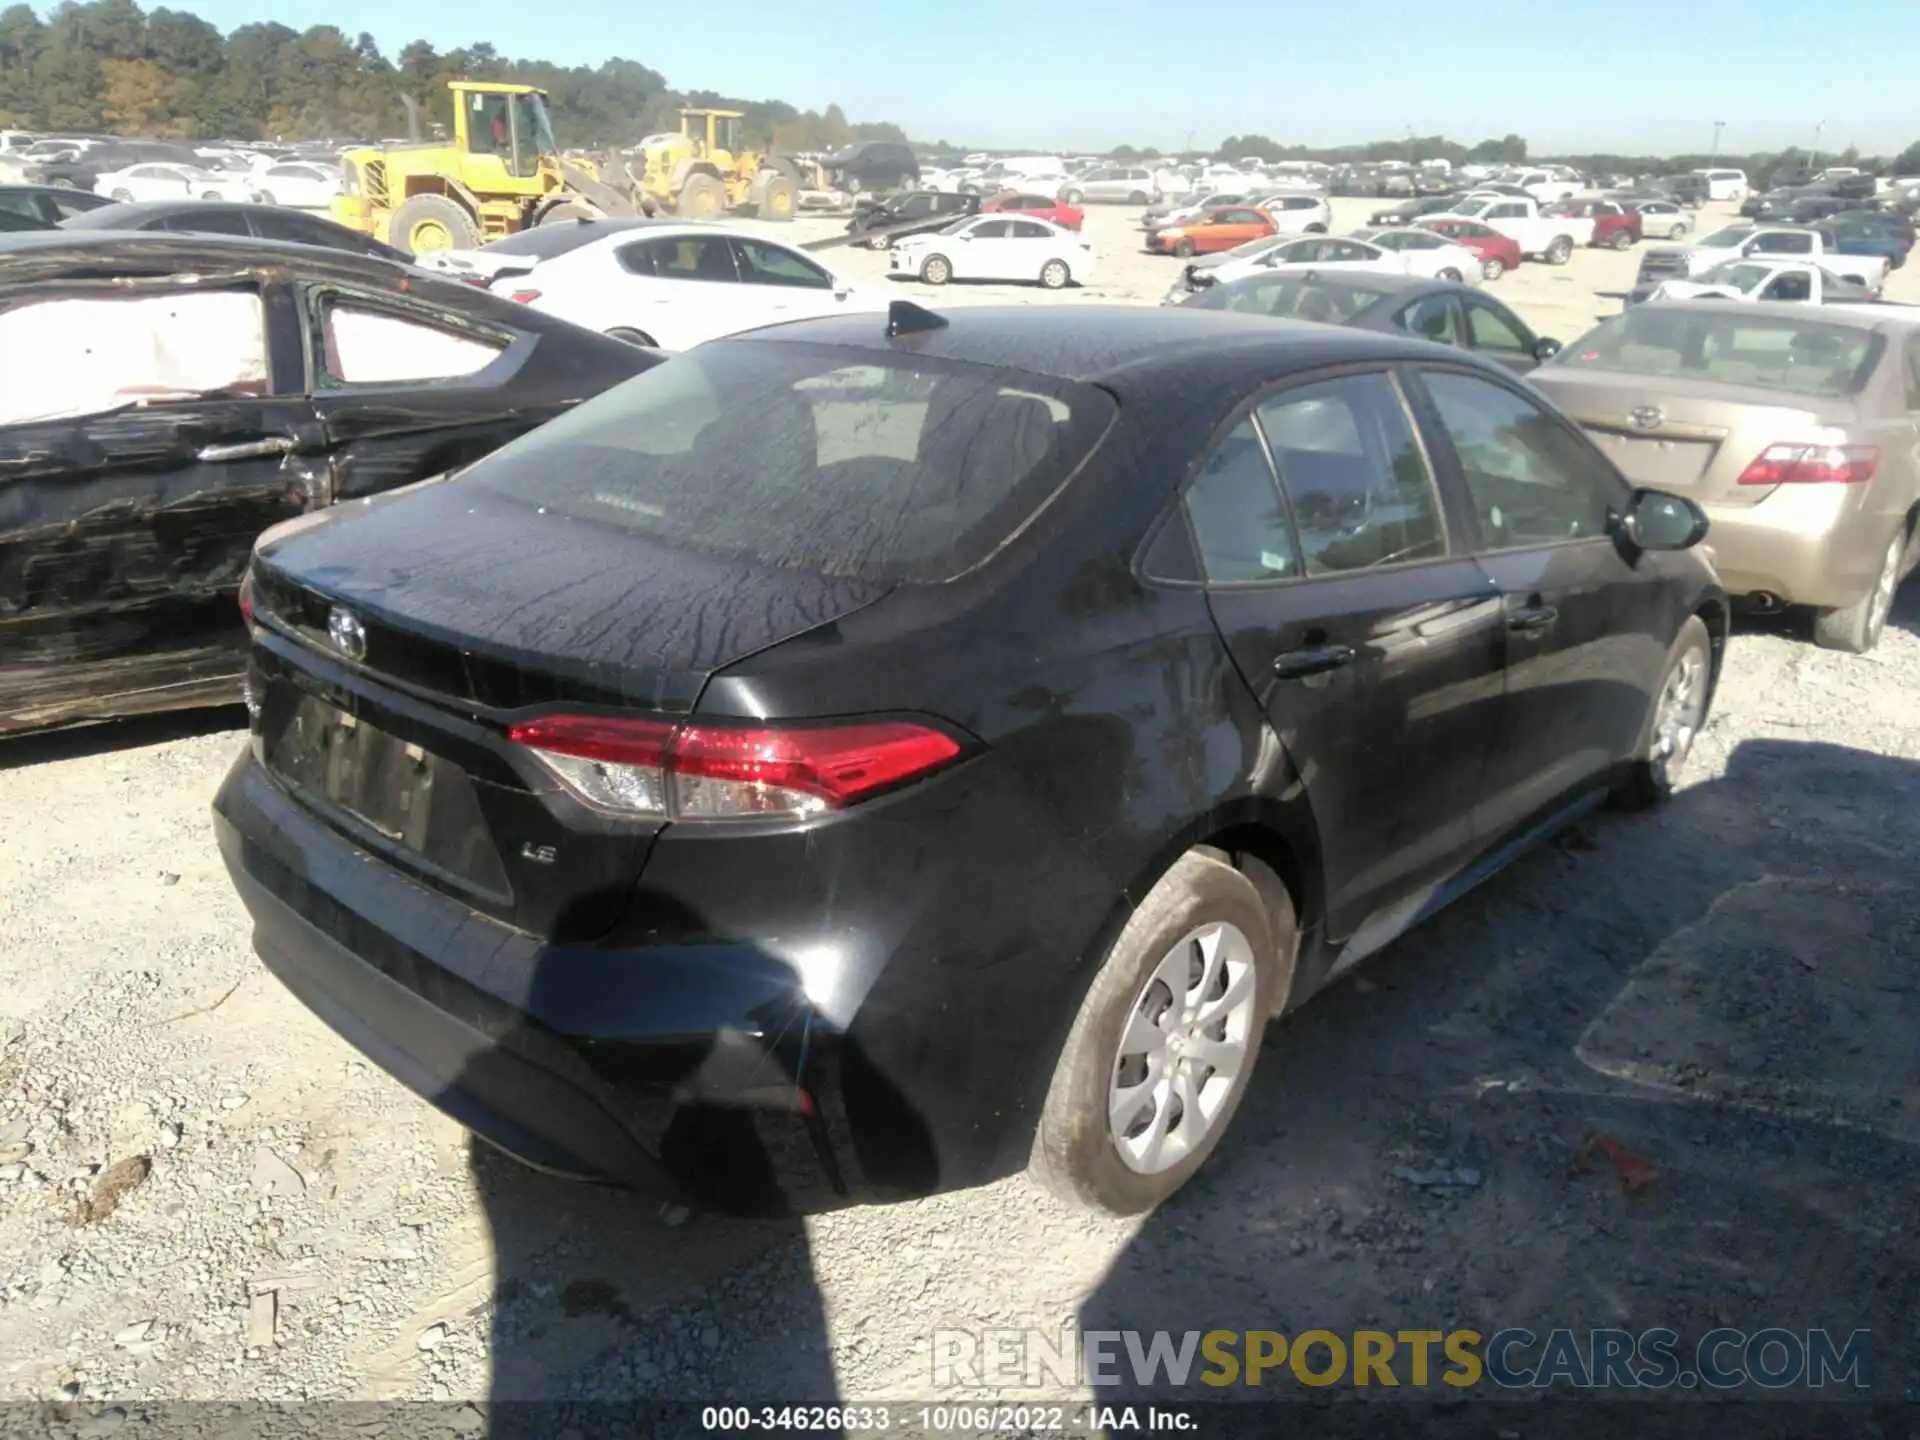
x=204 y=1194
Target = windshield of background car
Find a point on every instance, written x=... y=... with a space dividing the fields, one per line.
x=544 y=242
x=1762 y=352
x=1741 y=274
x=809 y=457
x=1289 y=297
x=1732 y=235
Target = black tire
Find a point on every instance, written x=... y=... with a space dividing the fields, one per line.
x=878 y=242
x=1560 y=251
x=701 y=198
x=1139 y=197
x=777 y=199
x=1857 y=628
x=266 y=198
x=213 y=195
x=1073 y=197
x=1316 y=229
x=1677 y=232
x=1622 y=240
x=1183 y=247
x=1075 y=1155
x=1451 y=275
x=936 y=270
x=1651 y=779
x=432 y=218
x=1054 y=275
x=632 y=337
x=1492 y=268
x=123 y=197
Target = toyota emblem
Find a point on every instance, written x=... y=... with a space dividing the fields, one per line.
x=346 y=632
x=1646 y=417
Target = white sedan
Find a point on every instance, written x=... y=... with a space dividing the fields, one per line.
x=157 y=180
x=298 y=183
x=1422 y=252
x=995 y=247
x=668 y=285
x=1316 y=252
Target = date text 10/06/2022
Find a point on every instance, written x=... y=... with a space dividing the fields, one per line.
x=1079 y=1419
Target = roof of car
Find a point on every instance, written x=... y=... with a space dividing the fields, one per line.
x=1860 y=316
x=134 y=213
x=1094 y=342
x=37 y=256
x=83 y=197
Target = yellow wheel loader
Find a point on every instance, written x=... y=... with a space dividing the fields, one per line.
x=500 y=172
x=702 y=171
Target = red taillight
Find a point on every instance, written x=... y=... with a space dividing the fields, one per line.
x=246 y=597
x=526 y=297
x=710 y=772
x=1812 y=465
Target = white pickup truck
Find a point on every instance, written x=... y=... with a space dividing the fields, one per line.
x=1783 y=242
x=1552 y=238
x=1766 y=279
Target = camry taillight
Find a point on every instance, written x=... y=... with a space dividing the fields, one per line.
x=1812 y=465
x=526 y=297
x=691 y=771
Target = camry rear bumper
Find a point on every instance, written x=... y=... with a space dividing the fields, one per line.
x=697 y=1076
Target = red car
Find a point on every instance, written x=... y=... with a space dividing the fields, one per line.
x=1614 y=225
x=1041 y=207
x=1498 y=253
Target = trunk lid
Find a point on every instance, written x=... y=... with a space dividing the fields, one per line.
x=466 y=608
x=1693 y=437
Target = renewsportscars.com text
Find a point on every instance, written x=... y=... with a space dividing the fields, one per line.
x=1514 y=1358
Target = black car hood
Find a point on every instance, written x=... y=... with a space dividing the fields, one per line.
x=463 y=586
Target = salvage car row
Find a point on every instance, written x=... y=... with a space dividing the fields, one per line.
x=878 y=753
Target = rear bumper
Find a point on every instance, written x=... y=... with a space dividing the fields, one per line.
x=1818 y=545
x=667 y=1071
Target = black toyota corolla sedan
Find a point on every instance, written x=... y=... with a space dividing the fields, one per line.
x=872 y=755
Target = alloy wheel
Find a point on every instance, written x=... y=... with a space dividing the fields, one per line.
x=1885 y=587
x=1683 y=705
x=1183 y=1049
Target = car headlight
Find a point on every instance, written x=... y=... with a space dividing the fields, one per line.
x=1174 y=234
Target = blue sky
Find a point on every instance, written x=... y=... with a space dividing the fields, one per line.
x=1571 y=75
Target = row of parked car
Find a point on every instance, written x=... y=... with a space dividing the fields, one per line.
x=721 y=752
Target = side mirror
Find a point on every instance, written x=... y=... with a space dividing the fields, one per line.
x=1662 y=521
x=1545 y=349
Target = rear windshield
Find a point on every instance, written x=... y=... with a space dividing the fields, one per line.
x=1289 y=297
x=1761 y=352
x=876 y=466
x=544 y=242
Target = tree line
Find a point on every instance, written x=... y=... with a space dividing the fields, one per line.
x=107 y=66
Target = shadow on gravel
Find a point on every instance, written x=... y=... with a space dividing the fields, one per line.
x=1728 y=988
x=115 y=735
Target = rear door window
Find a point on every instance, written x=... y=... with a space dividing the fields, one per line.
x=1241 y=528
x=1493 y=331
x=1361 y=492
x=370 y=345
x=892 y=468
x=694 y=257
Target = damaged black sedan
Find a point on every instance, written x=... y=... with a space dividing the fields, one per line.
x=165 y=398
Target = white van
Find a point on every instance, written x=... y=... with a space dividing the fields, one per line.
x=1725 y=184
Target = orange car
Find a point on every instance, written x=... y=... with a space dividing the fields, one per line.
x=1219 y=227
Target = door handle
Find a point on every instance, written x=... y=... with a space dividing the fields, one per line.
x=1311 y=660
x=245 y=450
x=1532 y=619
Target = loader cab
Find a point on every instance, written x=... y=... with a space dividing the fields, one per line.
x=506 y=122
x=712 y=131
